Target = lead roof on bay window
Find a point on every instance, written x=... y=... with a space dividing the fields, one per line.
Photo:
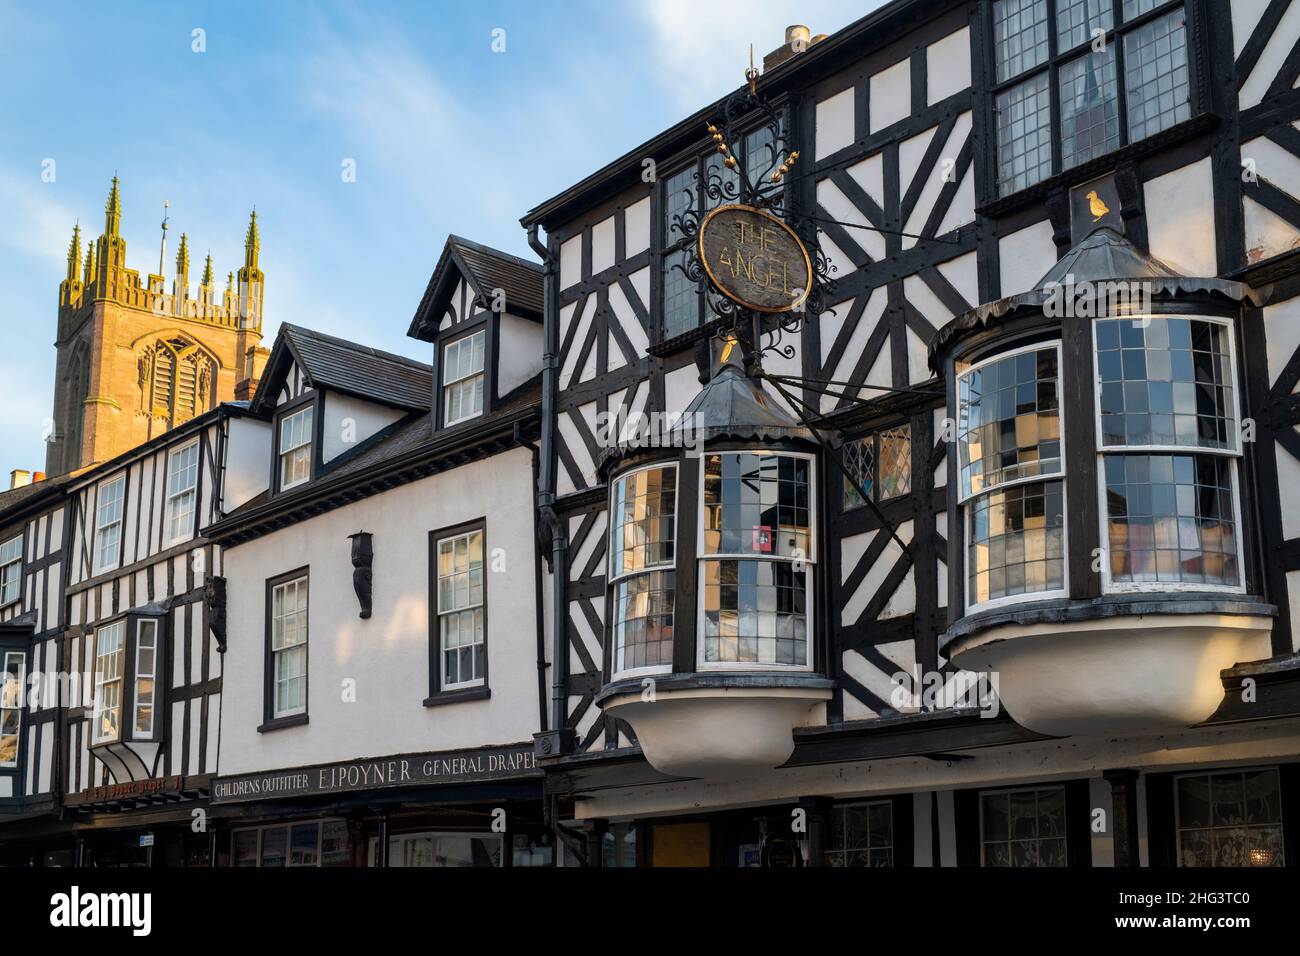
x=1102 y=256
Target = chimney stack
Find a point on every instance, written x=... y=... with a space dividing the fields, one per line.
x=798 y=38
x=19 y=478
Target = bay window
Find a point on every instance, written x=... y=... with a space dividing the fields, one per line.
x=110 y=499
x=643 y=530
x=11 y=570
x=756 y=560
x=1010 y=478
x=1077 y=79
x=110 y=648
x=182 y=485
x=146 y=671
x=11 y=706
x=295 y=447
x=1169 y=453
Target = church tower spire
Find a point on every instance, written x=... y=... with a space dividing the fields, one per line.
x=74 y=253
x=207 y=271
x=250 y=279
x=113 y=212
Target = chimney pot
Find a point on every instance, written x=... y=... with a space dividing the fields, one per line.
x=798 y=32
x=38 y=476
x=19 y=478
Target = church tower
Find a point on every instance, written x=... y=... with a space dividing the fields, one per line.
x=134 y=359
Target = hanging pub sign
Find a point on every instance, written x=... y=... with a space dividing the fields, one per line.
x=754 y=259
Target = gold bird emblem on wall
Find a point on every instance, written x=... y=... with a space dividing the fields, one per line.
x=1097 y=206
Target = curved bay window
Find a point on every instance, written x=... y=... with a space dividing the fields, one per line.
x=756 y=560
x=1169 y=448
x=642 y=521
x=1009 y=445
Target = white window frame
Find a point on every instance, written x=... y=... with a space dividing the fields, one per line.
x=102 y=527
x=1235 y=455
x=809 y=562
x=101 y=683
x=963 y=499
x=615 y=579
x=182 y=497
x=284 y=453
x=11 y=573
x=302 y=581
x=151 y=674
x=460 y=343
x=18 y=706
x=443 y=683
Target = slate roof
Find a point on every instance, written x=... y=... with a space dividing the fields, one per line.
x=486 y=269
x=369 y=373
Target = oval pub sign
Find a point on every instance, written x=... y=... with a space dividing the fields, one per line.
x=755 y=259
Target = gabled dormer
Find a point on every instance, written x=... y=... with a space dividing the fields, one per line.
x=482 y=311
x=327 y=397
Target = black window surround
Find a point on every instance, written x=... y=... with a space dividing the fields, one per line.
x=482 y=690
x=484 y=323
x=129 y=698
x=271 y=722
x=864 y=458
x=11 y=569
x=1000 y=199
x=313 y=399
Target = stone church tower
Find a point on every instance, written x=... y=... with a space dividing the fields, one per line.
x=135 y=360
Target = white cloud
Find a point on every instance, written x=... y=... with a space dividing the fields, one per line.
x=41 y=225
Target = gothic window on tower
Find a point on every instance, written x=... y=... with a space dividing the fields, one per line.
x=1119 y=71
x=176 y=380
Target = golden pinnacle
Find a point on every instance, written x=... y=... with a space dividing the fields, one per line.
x=710 y=127
x=717 y=137
x=730 y=162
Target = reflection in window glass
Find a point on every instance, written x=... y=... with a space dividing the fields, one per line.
x=1023 y=827
x=643 y=530
x=755 y=612
x=1016 y=541
x=244 y=848
x=859 y=459
x=1024 y=126
x=862 y=834
x=11 y=705
x=1156 y=81
x=1134 y=8
x=460 y=610
x=895 y=462
x=275 y=843
x=1168 y=383
x=1076 y=19
x=1089 y=107
x=303 y=841
x=1008 y=420
x=643 y=620
x=1019 y=35
x=1230 y=819
x=1171 y=518
x=880 y=464
x=756 y=503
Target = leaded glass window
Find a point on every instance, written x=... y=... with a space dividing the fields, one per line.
x=1231 y=818
x=880 y=464
x=643 y=530
x=1083 y=56
x=1008 y=442
x=757 y=559
x=1168 y=438
x=1023 y=827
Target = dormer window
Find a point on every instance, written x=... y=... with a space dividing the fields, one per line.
x=11 y=570
x=462 y=378
x=296 y=431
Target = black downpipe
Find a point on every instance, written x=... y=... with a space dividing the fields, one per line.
x=546 y=494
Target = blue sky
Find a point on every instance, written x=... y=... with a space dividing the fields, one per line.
x=447 y=136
